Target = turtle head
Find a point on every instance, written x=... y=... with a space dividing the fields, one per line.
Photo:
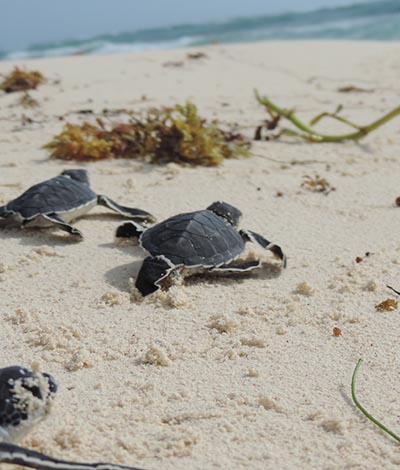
x=78 y=175
x=25 y=399
x=229 y=213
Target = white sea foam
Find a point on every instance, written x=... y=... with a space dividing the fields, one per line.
x=372 y=20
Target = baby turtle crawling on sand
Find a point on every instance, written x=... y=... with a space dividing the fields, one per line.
x=60 y=200
x=25 y=399
x=202 y=240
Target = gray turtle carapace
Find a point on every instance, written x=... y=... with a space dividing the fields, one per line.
x=62 y=199
x=25 y=398
x=207 y=239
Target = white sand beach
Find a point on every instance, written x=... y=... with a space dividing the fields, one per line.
x=229 y=373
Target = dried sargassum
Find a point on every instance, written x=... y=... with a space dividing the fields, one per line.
x=316 y=184
x=168 y=134
x=80 y=142
x=352 y=89
x=21 y=80
x=27 y=101
x=387 y=305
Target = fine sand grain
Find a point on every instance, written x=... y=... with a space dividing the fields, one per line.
x=219 y=372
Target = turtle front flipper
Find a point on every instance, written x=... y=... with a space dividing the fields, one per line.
x=129 y=230
x=250 y=236
x=58 y=221
x=125 y=211
x=238 y=268
x=153 y=271
x=10 y=453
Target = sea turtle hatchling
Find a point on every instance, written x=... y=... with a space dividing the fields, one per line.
x=25 y=400
x=201 y=240
x=59 y=200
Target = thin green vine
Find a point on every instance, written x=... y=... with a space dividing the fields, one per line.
x=363 y=410
x=310 y=134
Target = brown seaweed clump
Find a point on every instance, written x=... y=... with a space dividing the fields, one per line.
x=168 y=134
x=81 y=142
x=316 y=184
x=27 y=101
x=21 y=80
x=387 y=305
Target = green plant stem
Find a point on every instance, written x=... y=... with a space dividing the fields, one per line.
x=362 y=409
x=315 y=120
x=312 y=135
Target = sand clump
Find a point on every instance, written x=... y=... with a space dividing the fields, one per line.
x=303 y=288
x=254 y=342
x=222 y=323
x=156 y=356
x=112 y=299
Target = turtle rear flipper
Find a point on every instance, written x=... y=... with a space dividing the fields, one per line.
x=10 y=453
x=123 y=210
x=254 y=237
x=238 y=268
x=55 y=219
x=4 y=213
x=153 y=271
x=5 y=217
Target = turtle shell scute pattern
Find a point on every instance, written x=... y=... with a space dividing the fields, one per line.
x=192 y=239
x=59 y=194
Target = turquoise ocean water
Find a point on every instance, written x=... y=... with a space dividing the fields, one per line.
x=376 y=20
